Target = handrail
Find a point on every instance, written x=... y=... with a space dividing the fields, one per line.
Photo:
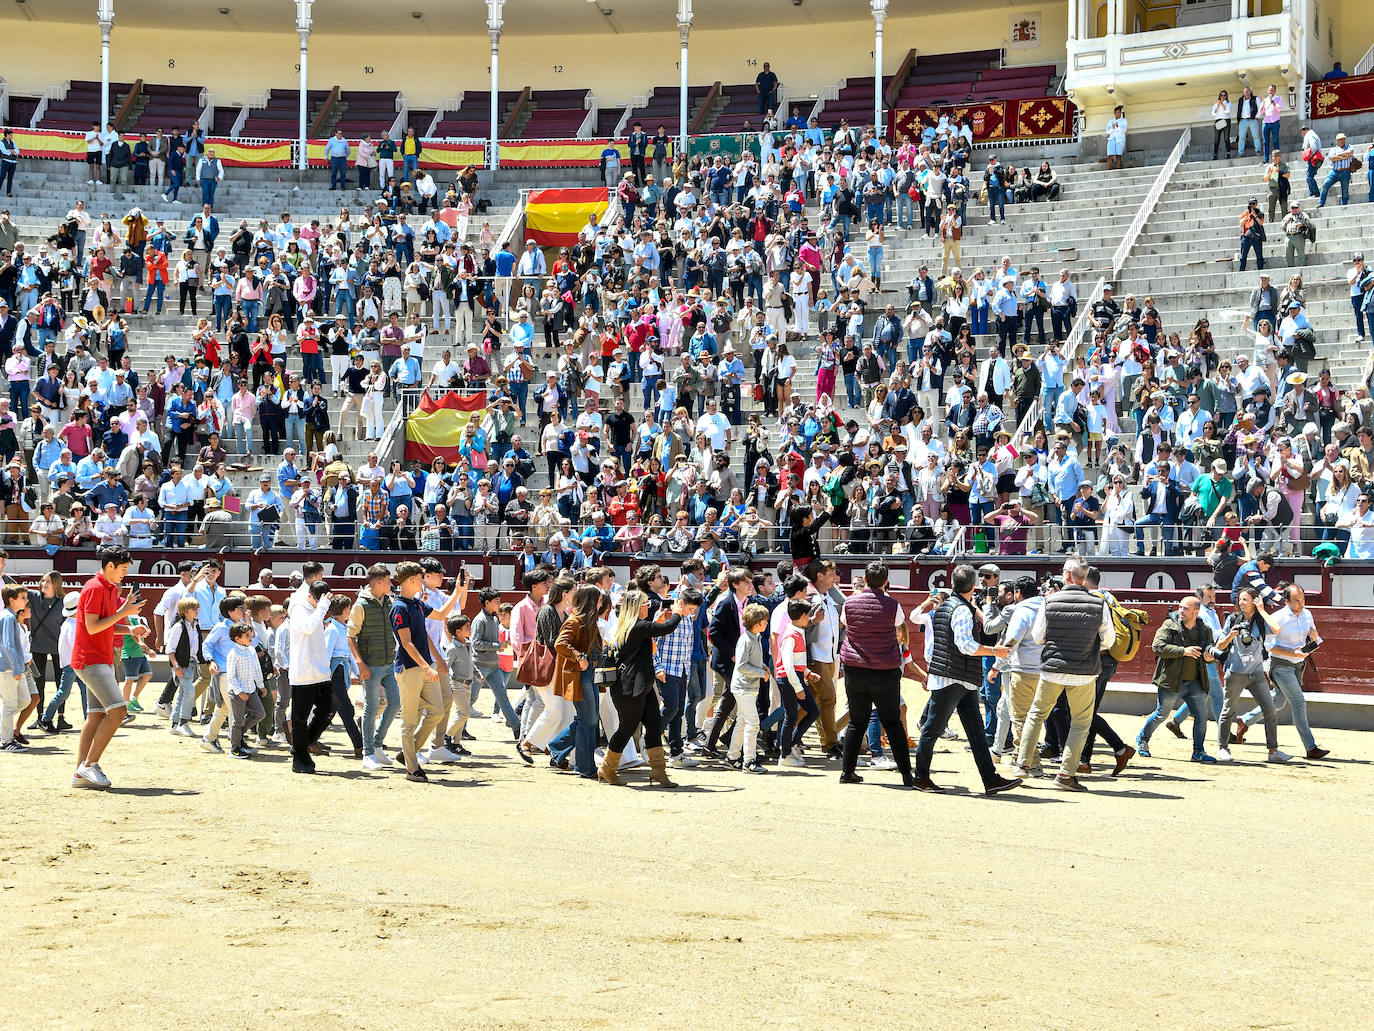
x=517 y=109
x=826 y=94
x=398 y=126
x=711 y=97
x=207 y=109
x=135 y=91
x=387 y=442
x=256 y=100
x=4 y=101
x=1026 y=427
x=326 y=108
x=1147 y=206
x=584 y=131
x=1365 y=65
x=894 y=87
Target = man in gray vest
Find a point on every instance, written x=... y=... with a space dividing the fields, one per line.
x=1073 y=627
x=374 y=650
x=871 y=653
x=958 y=644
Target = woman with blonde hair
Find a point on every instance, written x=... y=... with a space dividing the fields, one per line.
x=633 y=692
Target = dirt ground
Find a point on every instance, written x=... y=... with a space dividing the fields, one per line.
x=208 y=892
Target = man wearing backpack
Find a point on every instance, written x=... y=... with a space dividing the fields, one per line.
x=1129 y=624
x=1271 y=514
x=1297 y=228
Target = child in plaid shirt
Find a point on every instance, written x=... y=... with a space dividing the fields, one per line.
x=244 y=686
x=672 y=663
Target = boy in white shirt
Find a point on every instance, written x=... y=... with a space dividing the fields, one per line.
x=244 y=686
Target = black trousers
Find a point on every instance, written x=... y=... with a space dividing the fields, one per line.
x=344 y=706
x=1101 y=728
x=944 y=703
x=881 y=689
x=634 y=710
x=1057 y=726
x=312 y=707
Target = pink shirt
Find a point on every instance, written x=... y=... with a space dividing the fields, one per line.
x=244 y=407
x=522 y=622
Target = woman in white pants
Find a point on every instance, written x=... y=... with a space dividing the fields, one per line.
x=557 y=711
x=372 y=403
x=1118 y=519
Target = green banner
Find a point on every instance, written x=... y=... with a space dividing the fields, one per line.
x=727 y=145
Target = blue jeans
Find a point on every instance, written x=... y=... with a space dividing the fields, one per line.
x=1358 y=304
x=997 y=204
x=409 y=166
x=19 y=398
x=978 y=318
x=251 y=310
x=243 y=438
x=1332 y=178
x=1287 y=677
x=1166 y=532
x=159 y=288
x=1271 y=138
x=580 y=737
x=173 y=529
x=991 y=693
x=906 y=217
x=184 y=700
x=64 y=689
x=1214 y=695
x=1049 y=400
x=1249 y=127
x=697 y=680
x=494 y=679
x=295 y=432
x=851 y=389
x=262 y=535
x=382 y=684
x=1191 y=692
x=338 y=180
x=1311 y=179
x=207 y=191
x=674 y=690
x=223 y=306
x=1247 y=245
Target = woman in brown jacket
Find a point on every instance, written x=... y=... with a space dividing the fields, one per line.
x=576 y=651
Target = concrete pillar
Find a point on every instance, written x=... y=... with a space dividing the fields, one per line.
x=303 y=25
x=684 y=29
x=879 y=9
x=494 y=24
x=104 y=14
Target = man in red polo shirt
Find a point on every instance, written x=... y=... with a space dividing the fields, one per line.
x=99 y=613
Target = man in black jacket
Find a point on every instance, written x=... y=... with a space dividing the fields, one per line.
x=724 y=628
x=957 y=646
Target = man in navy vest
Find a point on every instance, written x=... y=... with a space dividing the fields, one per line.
x=871 y=655
x=958 y=645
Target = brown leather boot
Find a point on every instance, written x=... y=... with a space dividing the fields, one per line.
x=606 y=771
x=658 y=768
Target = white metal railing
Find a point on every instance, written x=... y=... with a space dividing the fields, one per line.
x=1365 y=65
x=1147 y=206
x=395 y=429
x=50 y=93
x=4 y=101
x=1026 y=427
x=826 y=94
x=206 y=100
x=588 y=126
x=398 y=126
x=635 y=104
x=257 y=100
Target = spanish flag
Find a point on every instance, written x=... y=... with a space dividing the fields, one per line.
x=553 y=218
x=435 y=428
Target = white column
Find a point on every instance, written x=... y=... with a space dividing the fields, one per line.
x=1073 y=18
x=684 y=29
x=494 y=24
x=1116 y=17
x=303 y=23
x=104 y=14
x=879 y=9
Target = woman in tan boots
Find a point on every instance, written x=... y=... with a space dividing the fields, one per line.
x=633 y=692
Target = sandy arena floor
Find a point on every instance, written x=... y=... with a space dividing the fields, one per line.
x=208 y=892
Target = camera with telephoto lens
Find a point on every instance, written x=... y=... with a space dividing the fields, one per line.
x=1246 y=638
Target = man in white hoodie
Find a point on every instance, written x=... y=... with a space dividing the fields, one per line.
x=312 y=695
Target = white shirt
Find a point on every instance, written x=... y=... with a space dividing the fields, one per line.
x=1292 y=633
x=309 y=649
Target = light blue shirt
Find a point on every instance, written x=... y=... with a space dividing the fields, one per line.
x=1051 y=368
x=1065 y=476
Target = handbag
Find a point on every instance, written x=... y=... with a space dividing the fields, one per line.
x=1039 y=495
x=535 y=665
x=758 y=391
x=270 y=514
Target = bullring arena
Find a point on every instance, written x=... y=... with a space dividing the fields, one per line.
x=583 y=306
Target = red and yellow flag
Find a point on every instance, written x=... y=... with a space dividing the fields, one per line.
x=435 y=428
x=553 y=218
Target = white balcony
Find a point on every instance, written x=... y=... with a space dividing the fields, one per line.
x=1129 y=64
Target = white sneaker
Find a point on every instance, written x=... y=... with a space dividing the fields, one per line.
x=793 y=760
x=93 y=773
x=78 y=781
x=949 y=735
x=278 y=738
x=383 y=759
x=371 y=765
x=683 y=762
x=206 y=745
x=882 y=762
x=182 y=730
x=1278 y=757
x=421 y=758
x=164 y=710
x=1223 y=755
x=441 y=754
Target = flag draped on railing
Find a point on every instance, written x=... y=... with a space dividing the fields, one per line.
x=435 y=428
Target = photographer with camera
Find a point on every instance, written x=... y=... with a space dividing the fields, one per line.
x=1241 y=651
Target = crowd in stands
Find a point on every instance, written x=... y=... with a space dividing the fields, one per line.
x=731 y=280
